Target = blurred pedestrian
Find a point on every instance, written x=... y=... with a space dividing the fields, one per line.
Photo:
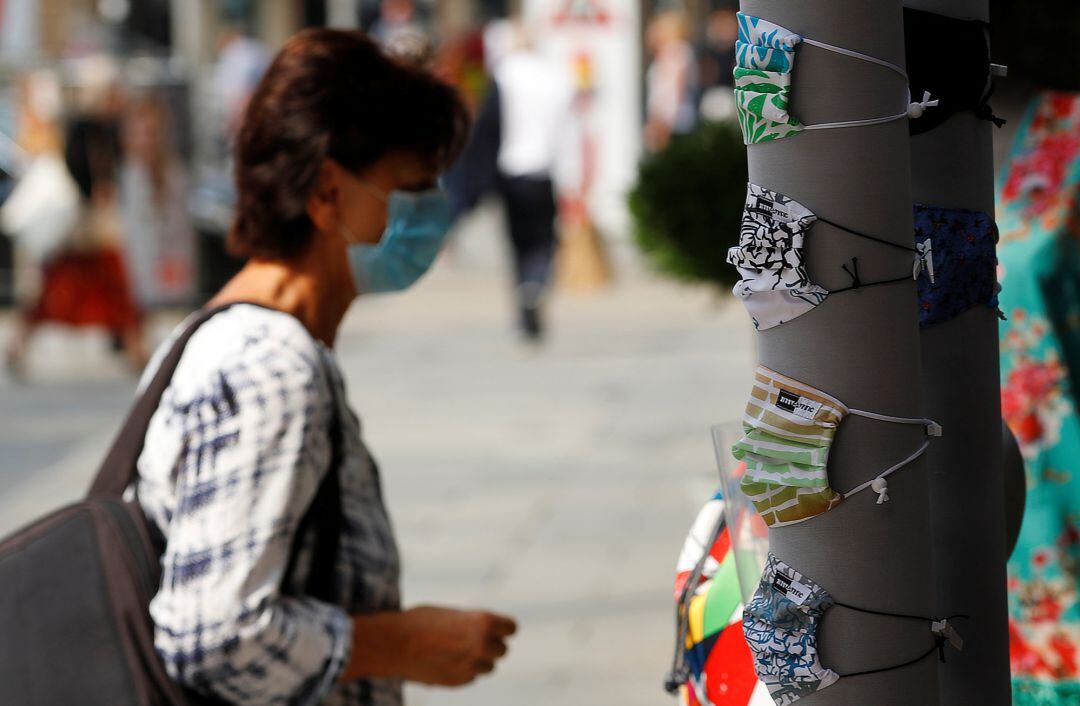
x=519 y=140
x=671 y=81
x=241 y=61
x=158 y=234
x=396 y=18
x=84 y=282
x=337 y=163
x=534 y=100
x=41 y=210
x=718 y=62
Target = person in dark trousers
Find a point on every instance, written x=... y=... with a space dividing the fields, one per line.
x=518 y=140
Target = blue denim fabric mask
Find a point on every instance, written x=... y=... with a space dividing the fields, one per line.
x=417 y=224
x=964 y=262
x=780 y=623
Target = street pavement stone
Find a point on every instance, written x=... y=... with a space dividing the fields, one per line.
x=554 y=483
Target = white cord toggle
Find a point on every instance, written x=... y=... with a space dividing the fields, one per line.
x=916 y=108
x=881 y=487
x=924 y=260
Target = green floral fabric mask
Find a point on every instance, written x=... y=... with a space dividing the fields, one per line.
x=764 y=61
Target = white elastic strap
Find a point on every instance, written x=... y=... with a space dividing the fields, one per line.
x=932 y=427
x=879 y=484
x=857 y=55
x=855 y=123
x=914 y=110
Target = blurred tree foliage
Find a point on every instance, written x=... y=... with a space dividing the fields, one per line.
x=1038 y=41
x=688 y=202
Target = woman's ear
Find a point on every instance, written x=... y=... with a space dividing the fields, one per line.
x=322 y=203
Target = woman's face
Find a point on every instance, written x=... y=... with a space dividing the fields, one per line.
x=362 y=197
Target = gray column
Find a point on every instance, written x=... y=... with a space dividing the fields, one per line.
x=861 y=346
x=952 y=166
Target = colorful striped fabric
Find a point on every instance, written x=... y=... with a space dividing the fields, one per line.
x=720 y=665
x=788 y=430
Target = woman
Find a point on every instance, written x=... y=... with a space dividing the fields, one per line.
x=336 y=167
x=158 y=236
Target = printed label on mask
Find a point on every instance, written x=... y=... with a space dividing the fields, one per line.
x=794 y=591
x=771 y=208
x=797 y=405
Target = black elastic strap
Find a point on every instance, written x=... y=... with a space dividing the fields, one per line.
x=856 y=281
x=874 y=238
x=325 y=514
x=938 y=646
x=985 y=112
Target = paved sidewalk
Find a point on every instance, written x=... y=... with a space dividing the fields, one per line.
x=554 y=484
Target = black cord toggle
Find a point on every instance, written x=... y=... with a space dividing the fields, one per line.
x=676 y=678
x=939 y=641
x=853 y=273
x=985 y=112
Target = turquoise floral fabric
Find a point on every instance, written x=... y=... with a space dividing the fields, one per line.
x=1039 y=262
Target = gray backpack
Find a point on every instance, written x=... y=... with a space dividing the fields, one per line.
x=75 y=586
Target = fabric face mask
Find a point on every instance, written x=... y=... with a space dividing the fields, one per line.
x=764 y=62
x=417 y=224
x=774 y=284
x=781 y=621
x=963 y=243
x=966 y=85
x=788 y=429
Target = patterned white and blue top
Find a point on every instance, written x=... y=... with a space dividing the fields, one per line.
x=233 y=458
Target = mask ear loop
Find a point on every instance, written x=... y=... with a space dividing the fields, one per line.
x=856 y=281
x=878 y=482
x=941 y=630
x=923 y=257
x=914 y=108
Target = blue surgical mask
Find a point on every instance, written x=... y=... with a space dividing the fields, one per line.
x=417 y=223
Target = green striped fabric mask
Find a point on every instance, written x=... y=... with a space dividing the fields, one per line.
x=788 y=429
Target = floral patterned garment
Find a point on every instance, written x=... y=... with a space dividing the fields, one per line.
x=1039 y=260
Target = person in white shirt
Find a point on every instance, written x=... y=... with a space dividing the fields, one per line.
x=534 y=103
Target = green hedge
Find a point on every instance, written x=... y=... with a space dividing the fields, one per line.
x=688 y=201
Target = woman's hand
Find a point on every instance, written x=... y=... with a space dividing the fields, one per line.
x=430 y=645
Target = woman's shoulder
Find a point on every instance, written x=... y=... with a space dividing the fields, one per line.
x=243 y=345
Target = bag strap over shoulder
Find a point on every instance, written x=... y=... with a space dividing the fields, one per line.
x=325 y=514
x=118 y=469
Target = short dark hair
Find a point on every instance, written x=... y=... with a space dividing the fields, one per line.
x=331 y=93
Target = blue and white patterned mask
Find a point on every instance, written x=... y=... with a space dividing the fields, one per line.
x=780 y=623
